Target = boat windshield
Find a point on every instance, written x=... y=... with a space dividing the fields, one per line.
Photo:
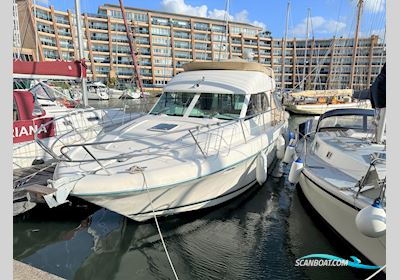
x=355 y=122
x=45 y=92
x=206 y=105
x=173 y=103
x=220 y=106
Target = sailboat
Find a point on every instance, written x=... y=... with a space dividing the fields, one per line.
x=306 y=101
x=317 y=102
x=210 y=137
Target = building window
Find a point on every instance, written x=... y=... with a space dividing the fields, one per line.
x=162 y=51
x=182 y=45
x=218 y=28
x=160 y=31
x=235 y=30
x=160 y=41
x=201 y=26
x=115 y=14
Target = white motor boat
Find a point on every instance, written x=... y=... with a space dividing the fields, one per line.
x=344 y=177
x=97 y=91
x=115 y=93
x=210 y=137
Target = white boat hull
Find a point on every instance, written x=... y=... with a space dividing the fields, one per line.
x=318 y=109
x=196 y=194
x=341 y=216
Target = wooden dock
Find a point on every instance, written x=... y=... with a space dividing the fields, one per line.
x=30 y=182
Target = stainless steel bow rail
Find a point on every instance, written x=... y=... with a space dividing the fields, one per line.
x=105 y=123
x=277 y=117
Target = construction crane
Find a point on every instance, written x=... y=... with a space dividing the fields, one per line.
x=132 y=46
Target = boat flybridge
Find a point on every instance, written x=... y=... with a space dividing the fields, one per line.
x=209 y=138
x=342 y=173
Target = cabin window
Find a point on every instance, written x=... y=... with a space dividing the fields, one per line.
x=15 y=111
x=258 y=103
x=42 y=92
x=355 y=122
x=220 y=106
x=173 y=103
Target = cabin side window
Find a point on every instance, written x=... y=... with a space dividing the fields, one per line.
x=258 y=103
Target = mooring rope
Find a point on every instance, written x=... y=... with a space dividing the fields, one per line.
x=157 y=225
x=376 y=272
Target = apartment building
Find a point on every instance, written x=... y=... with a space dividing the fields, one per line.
x=165 y=41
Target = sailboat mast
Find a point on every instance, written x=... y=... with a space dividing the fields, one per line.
x=306 y=48
x=226 y=32
x=353 y=62
x=132 y=46
x=81 y=52
x=36 y=34
x=284 y=48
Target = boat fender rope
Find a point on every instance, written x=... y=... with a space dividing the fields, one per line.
x=157 y=225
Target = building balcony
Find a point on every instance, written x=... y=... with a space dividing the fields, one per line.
x=43 y=16
x=185 y=56
x=97 y=15
x=181 y=36
x=62 y=21
x=64 y=33
x=158 y=22
x=100 y=38
x=201 y=28
x=250 y=43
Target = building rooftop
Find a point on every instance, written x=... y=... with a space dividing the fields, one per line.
x=178 y=15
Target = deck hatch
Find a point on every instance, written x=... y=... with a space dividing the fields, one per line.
x=163 y=127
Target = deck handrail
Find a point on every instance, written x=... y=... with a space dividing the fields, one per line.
x=218 y=125
x=69 y=114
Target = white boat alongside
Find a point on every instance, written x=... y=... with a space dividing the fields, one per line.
x=344 y=173
x=209 y=138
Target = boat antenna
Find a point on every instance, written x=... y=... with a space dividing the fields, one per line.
x=353 y=60
x=284 y=47
x=81 y=52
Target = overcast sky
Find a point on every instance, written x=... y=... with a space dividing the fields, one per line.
x=328 y=17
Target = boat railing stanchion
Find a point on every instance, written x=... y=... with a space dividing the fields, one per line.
x=241 y=125
x=101 y=165
x=197 y=143
x=265 y=128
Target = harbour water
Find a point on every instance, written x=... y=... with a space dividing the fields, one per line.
x=256 y=236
